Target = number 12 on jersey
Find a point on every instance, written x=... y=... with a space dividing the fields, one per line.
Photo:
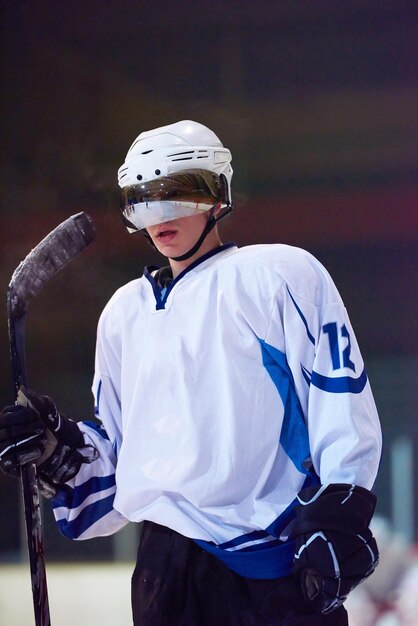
x=339 y=345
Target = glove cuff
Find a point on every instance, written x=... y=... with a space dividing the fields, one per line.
x=338 y=507
x=63 y=465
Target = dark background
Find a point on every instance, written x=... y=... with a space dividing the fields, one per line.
x=317 y=102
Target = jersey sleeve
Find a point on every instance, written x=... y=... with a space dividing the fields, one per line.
x=317 y=347
x=344 y=428
x=83 y=507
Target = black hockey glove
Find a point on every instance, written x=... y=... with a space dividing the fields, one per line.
x=33 y=431
x=335 y=550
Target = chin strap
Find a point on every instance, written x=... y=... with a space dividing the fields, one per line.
x=211 y=223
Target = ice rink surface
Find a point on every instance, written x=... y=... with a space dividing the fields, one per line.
x=78 y=594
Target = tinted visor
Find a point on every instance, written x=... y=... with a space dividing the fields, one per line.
x=179 y=195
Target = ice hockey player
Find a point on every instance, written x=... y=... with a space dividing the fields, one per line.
x=236 y=417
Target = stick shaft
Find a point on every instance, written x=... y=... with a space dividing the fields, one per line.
x=30 y=492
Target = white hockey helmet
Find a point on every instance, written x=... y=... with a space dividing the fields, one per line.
x=174 y=171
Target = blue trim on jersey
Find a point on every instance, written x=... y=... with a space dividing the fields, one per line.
x=277 y=527
x=343 y=384
x=155 y=286
x=306 y=374
x=98 y=428
x=161 y=294
x=99 y=391
x=71 y=497
x=303 y=318
x=63 y=497
x=87 y=517
x=294 y=433
x=271 y=562
x=263 y=545
x=253 y=536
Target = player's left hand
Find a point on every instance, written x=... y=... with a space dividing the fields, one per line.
x=335 y=549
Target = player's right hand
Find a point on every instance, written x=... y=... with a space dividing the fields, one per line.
x=23 y=437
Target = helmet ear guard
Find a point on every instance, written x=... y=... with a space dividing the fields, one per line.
x=225 y=190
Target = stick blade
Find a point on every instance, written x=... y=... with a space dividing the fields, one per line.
x=54 y=251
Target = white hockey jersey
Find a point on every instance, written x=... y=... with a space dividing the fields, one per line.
x=221 y=397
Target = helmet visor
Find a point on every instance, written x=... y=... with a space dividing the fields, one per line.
x=171 y=197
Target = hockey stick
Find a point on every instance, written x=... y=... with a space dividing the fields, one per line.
x=41 y=264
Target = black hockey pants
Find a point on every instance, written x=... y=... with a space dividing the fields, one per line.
x=176 y=583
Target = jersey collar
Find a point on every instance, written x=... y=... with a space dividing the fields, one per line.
x=161 y=294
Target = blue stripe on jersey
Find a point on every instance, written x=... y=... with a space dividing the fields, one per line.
x=294 y=434
x=273 y=561
x=306 y=374
x=275 y=529
x=87 y=517
x=303 y=318
x=257 y=547
x=343 y=384
x=99 y=390
x=256 y=534
x=98 y=428
x=71 y=498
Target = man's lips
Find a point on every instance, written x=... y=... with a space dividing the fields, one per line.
x=166 y=235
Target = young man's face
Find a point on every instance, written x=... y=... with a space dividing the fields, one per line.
x=176 y=237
